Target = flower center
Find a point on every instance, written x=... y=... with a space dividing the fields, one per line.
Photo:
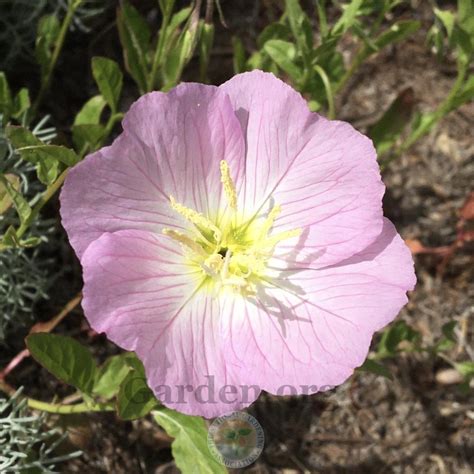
x=233 y=253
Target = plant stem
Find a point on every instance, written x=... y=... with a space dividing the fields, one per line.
x=69 y=409
x=49 y=193
x=158 y=51
x=329 y=92
x=72 y=7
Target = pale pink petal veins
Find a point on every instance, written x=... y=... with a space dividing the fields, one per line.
x=323 y=173
x=140 y=291
x=312 y=327
x=172 y=144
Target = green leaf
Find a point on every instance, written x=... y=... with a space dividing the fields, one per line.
x=466 y=94
x=284 y=55
x=348 y=17
x=87 y=137
x=21 y=103
x=10 y=239
x=21 y=204
x=274 y=31
x=135 y=399
x=109 y=79
x=239 y=57
x=5 y=97
x=65 y=358
x=178 y=58
x=110 y=376
x=397 y=32
x=393 y=336
x=390 y=126
x=375 y=368
x=466 y=369
x=189 y=449
x=6 y=200
x=300 y=25
x=466 y=16
x=166 y=6
x=47 y=34
x=91 y=111
x=135 y=36
x=447 y=18
x=39 y=153
x=21 y=137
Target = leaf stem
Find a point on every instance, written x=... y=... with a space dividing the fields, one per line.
x=72 y=7
x=70 y=409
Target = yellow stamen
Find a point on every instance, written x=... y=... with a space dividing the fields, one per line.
x=196 y=218
x=229 y=186
x=185 y=240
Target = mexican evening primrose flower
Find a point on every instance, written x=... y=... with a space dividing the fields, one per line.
x=235 y=241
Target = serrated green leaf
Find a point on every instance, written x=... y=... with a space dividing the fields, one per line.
x=134 y=35
x=135 y=399
x=21 y=204
x=91 y=111
x=110 y=376
x=284 y=55
x=397 y=32
x=375 y=368
x=109 y=79
x=6 y=200
x=189 y=448
x=65 y=358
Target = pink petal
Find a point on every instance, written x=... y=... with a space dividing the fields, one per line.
x=141 y=293
x=324 y=174
x=314 y=327
x=172 y=144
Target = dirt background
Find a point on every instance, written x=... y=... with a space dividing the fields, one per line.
x=413 y=424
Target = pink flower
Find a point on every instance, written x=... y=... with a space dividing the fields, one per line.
x=235 y=241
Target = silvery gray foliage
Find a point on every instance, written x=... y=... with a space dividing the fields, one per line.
x=24 y=278
x=24 y=443
x=19 y=21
